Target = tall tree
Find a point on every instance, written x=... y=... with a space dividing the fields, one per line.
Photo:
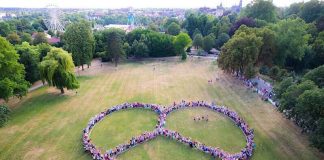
x=221 y=40
x=43 y=49
x=223 y=26
x=240 y=52
x=40 y=37
x=293 y=9
x=57 y=69
x=114 y=46
x=310 y=107
x=312 y=10
x=208 y=42
x=169 y=21
x=268 y=49
x=317 y=137
x=292 y=40
x=4 y=29
x=316 y=75
x=191 y=23
x=198 y=41
x=289 y=98
x=318 y=48
x=250 y=22
x=29 y=57
x=12 y=82
x=261 y=9
x=13 y=38
x=173 y=29
x=26 y=37
x=140 y=49
x=181 y=43
x=79 y=41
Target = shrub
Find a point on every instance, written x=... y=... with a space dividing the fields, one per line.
x=264 y=70
x=4 y=114
x=274 y=72
x=184 y=56
x=317 y=138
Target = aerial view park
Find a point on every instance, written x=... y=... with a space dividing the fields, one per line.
x=175 y=80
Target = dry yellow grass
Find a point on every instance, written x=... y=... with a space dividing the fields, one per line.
x=46 y=125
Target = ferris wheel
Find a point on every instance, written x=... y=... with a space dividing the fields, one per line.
x=53 y=20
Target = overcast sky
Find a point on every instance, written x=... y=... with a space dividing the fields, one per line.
x=132 y=3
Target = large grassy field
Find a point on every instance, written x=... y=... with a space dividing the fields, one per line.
x=47 y=125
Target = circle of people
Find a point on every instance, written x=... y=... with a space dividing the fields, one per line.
x=111 y=154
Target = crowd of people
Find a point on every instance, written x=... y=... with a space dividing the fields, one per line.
x=260 y=86
x=245 y=153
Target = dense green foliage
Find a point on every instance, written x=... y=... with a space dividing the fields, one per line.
x=57 y=69
x=198 y=41
x=139 y=49
x=241 y=51
x=160 y=45
x=181 y=43
x=13 y=38
x=221 y=40
x=173 y=29
x=303 y=102
x=114 y=45
x=261 y=9
x=43 y=49
x=292 y=40
x=202 y=23
x=4 y=29
x=12 y=82
x=79 y=41
x=316 y=75
x=208 y=42
x=26 y=37
x=312 y=10
x=40 y=37
x=4 y=115
x=29 y=57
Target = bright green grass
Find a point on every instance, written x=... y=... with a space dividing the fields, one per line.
x=46 y=125
x=136 y=122
x=219 y=131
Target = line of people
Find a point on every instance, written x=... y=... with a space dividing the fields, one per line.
x=245 y=153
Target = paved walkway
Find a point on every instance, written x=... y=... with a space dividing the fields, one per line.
x=36 y=85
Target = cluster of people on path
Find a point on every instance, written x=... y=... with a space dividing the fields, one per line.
x=245 y=153
x=265 y=90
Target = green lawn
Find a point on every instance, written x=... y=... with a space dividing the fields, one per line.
x=46 y=125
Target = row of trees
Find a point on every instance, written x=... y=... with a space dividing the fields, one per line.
x=283 y=48
x=302 y=101
x=115 y=44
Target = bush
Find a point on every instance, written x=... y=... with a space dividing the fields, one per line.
x=264 y=70
x=249 y=71
x=4 y=114
x=317 y=138
x=274 y=72
x=184 y=56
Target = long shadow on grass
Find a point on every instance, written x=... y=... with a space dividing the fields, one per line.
x=36 y=105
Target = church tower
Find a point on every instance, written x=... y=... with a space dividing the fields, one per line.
x=241 y=4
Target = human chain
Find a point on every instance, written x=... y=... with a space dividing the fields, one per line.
x=111 y=154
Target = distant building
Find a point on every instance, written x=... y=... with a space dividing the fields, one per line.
x=237 y=8
x=7 y=16
x=220 y=10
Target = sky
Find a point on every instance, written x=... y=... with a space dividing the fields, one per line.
x=132 y=3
